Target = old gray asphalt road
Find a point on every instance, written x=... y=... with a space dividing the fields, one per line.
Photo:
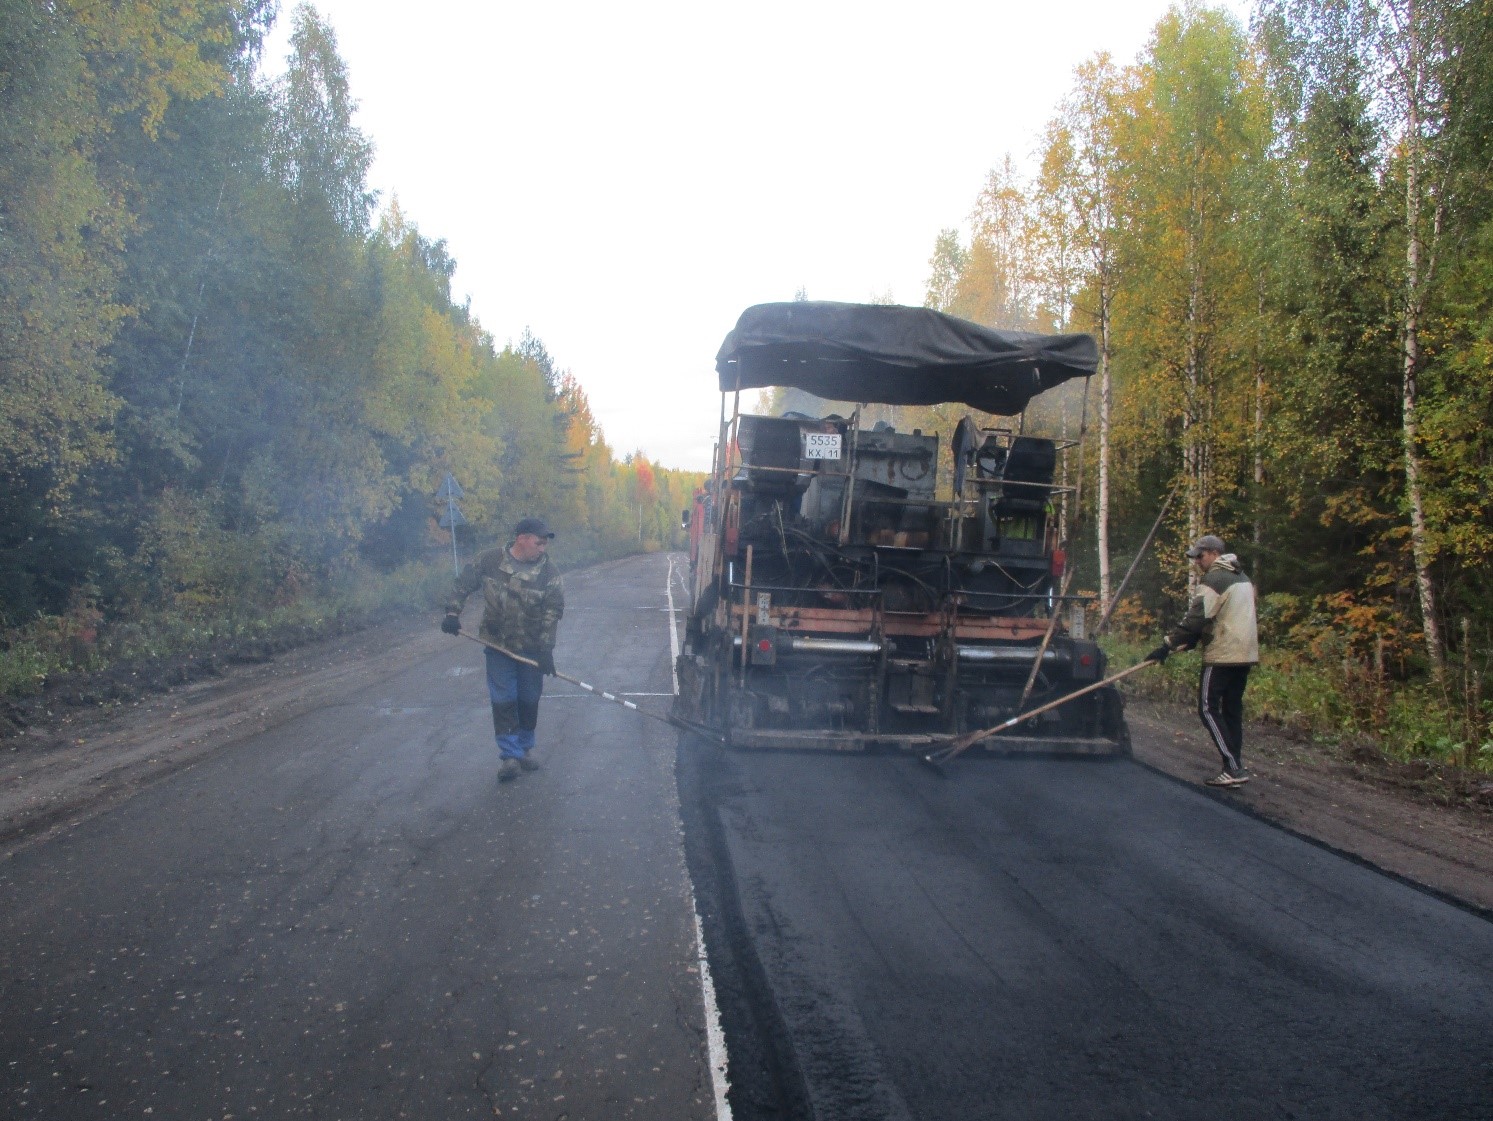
x=1034 y=939
x=347 y=917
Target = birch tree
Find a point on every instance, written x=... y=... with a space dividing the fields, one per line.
x=1417 y=62
x=318 y=153
x=996 y=286
x=1186 y=136
x=1080 y=174
x=944 y=269
x=1424 y=76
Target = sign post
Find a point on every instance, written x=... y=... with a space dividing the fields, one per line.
x=451 y=491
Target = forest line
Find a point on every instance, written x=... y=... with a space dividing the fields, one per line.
x=1282 y=238
x=232 y=387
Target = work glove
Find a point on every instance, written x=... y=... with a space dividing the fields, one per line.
x=451 y=624
x=546 y=660
x=1160 y=654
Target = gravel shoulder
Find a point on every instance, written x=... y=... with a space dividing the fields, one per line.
x=1406 y=821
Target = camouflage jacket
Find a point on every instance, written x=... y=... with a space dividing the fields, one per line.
x=523 y=601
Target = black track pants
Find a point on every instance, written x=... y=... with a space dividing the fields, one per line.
x=1221 y=707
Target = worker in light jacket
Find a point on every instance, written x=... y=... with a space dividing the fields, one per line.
x=523 y=600
x=1221 y=620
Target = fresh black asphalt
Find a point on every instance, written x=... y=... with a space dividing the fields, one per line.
x=1046 y=939
x=348 y=917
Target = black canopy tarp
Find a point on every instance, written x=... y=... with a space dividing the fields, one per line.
x=896 y=356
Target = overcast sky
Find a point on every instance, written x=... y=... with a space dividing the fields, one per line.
x=625 y=178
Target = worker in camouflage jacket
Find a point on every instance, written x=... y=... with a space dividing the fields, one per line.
x=1221 y=620
x=523 y=600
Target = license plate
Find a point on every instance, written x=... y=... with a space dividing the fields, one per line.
x=821 y=445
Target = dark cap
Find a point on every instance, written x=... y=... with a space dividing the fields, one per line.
x=535 y=526
x=1207 y=544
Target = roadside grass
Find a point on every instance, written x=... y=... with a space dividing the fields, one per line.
x=155 y=642
x=211 y=579
x=1340 y=705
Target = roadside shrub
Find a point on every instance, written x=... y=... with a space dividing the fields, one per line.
x=202 y=567
x=195 y=613
x=85 y=641
x=1333 y=701
x=24 y=666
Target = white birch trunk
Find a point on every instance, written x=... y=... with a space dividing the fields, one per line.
x=1102 y=501
x=1410 y=430
x=1259 y=476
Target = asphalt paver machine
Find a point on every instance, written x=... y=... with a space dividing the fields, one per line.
x=854 y=584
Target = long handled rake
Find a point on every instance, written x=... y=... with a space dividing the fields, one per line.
x=957 y=747
x=602 y=693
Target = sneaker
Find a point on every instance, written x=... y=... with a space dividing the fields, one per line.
x=1226 y=780
x=529 y=764
x=508 y=770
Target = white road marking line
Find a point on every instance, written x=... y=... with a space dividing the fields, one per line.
x=715 y=1039
x=574 y=696
x=673 y=627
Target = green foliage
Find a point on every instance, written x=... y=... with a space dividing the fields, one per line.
x=1333 y=701
x=1457 y=419
x=1182 y=370
x=1285 y=245
x=945 y=268
x=198 y=565
x=228 y=399
x=62 y=227
x=316 y=152
x=83 y=639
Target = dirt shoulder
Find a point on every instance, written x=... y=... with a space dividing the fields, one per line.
x=74 y=760
x=1430 y=827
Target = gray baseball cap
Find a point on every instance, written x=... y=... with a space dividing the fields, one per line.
x=1206 y=544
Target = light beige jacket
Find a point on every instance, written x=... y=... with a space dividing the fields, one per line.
x=1221 y=617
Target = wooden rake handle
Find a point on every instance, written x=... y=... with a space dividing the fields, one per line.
x=959 y=746
x=602 y=693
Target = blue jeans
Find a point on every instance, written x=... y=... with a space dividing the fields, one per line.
x=514 y=690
